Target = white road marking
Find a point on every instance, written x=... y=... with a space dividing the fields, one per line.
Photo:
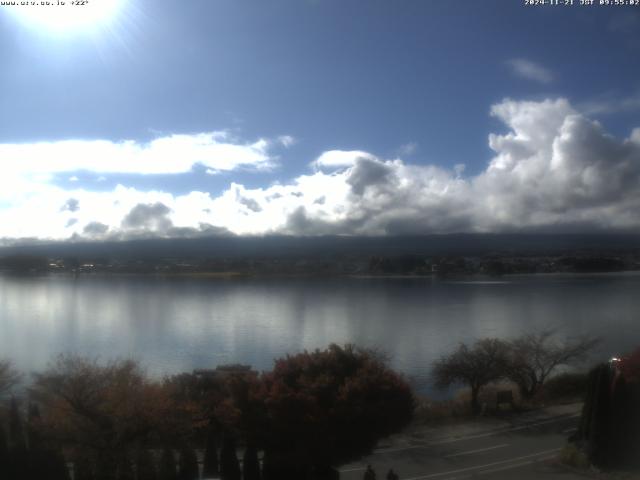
x=501 y=469
x=472 y=437
x=355 y=469
x=461 y=439
x=478 y=467
x=517 y=465
x=469 y=452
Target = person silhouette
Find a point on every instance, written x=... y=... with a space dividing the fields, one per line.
x=369 y=474
x=392 y=475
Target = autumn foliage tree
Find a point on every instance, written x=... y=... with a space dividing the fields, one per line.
x=314 y=411
x=328 y=407
x=105 y=411
x=195 y=400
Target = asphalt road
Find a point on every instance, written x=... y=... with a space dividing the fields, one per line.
x=520 y=451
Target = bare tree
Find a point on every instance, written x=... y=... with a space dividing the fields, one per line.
x=9 y=377
x=474 y=366
x=533 y=358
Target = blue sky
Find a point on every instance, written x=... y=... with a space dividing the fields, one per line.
x=401 y=91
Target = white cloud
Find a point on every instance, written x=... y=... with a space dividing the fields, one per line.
x=610 y=104
x=164 y=155
x=530 y=70
x=286 y=140
x=339 y=158
x=408 y=149
x=554 y=169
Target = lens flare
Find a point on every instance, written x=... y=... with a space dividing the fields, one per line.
x=64 y=16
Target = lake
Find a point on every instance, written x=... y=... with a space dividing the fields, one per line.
x=178 y=324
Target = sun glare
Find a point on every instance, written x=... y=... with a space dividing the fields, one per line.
x=65 y=16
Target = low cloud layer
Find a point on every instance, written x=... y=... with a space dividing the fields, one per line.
x=172 y=154
x=554 y=170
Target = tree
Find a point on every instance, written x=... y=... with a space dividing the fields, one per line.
x=42 y=461
x=195 y=398
x=124 y=468
x=609 y=428
x=533 y=357
x=17 y=461
x=145 y=468
x=57 y=465
x=328 y=407
x=4 y=453
x=9 y=377
x=630 y=366
x=250 y=464
x=188 y=464
x=167 y=466
x=229 y=465
x=210 y=467
x=16 y=428
x=474 y=366
x=105 y=410
x=34 y=439
x=82 y=467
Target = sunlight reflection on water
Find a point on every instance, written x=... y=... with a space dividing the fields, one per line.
x=179 y=324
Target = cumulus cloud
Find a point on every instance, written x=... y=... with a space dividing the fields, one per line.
x=149 y=217
x=95 y=229
x=553 y=169
x=530 y=70
x=370 y=172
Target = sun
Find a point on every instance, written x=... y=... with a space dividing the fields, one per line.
x=68 y=15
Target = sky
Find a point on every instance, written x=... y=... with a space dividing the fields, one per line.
x=128 y=119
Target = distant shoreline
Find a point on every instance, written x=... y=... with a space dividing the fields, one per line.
x=232 y=275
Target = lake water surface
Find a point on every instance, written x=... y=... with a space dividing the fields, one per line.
x=177 y=324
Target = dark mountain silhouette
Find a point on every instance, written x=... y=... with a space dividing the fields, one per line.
x=333 y=246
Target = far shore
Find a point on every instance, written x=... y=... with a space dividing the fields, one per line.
x=229 y=275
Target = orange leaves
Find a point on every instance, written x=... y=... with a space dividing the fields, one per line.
x=98 y=406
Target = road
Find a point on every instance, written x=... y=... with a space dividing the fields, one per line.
x=522 y=451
